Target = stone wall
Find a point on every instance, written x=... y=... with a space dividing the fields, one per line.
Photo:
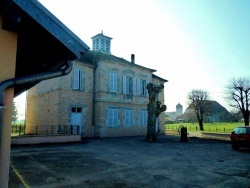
x=50 y=102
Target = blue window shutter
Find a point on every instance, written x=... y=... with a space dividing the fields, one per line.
x=141 y=117
x=134 y=86
x=146 y=88
x=115 y=82
x=76 y=79
x=145 y=117
x=110 y=119
x=110 y=82
x=138 y=86
x=115 y=115
x=124 y=85
x=132 y=117
x=81 y=79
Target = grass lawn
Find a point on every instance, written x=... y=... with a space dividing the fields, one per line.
x=209 y=127
x=17 y=128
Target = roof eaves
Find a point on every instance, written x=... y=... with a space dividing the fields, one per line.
x=53 y=25
x=157 y=77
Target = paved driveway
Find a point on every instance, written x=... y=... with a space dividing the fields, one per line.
x=131 y=162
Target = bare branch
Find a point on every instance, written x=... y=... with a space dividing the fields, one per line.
x=237 y=94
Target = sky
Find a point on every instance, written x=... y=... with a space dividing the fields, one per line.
x=194 y=44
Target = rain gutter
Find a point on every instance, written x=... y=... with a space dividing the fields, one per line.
x=28 y=80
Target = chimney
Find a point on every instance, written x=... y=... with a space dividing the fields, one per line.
x=133 y=58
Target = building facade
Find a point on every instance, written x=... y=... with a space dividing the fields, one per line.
x=179 y=109
x=105 y=95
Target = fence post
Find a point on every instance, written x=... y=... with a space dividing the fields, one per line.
x=20 y=128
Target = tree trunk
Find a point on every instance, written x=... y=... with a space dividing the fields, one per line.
x=151 y=134
x=201 y=125
x=246 y=118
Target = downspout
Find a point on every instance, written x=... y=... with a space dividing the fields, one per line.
x=94 y=98
x=26 y=80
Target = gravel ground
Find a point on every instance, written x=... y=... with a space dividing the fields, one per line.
x=131 y=162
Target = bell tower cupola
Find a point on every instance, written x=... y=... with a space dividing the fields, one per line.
x=101 y=43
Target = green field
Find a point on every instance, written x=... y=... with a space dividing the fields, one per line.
x=209 y=127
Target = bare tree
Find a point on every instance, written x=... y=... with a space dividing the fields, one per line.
x=198 y=101
x=238 y=96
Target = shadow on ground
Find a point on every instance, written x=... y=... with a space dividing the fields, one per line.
x=131 y=162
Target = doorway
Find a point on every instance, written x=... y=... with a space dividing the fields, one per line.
x=76 y=120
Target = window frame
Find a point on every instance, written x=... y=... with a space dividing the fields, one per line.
x=113 y=120
x=77 y=79
x=129 y=117
x=113 y=82
x=143 y=117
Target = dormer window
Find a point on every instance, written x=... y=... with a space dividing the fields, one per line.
x=101 y=43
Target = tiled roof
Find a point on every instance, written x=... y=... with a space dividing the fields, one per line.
x=92 y=57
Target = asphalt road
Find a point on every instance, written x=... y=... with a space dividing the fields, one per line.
x=131 y=162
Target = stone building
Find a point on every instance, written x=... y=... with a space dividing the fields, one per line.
x=105 y=95
x=179 y=109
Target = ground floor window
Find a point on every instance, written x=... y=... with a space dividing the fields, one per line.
x=76 y=110
x=113 y=119
x=143 y=116
x=129 y=117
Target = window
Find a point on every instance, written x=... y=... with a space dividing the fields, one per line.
x=143 y=117
x=129 y=85
x=129 y=117
x=76 y=110
x=113 y=120
x=77 y=80
x=112 y=82
x=141 y=87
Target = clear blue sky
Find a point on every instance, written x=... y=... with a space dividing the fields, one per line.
x=195 y=44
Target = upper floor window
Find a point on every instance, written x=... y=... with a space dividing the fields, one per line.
x=141 y=87
x=113 y=119
x=77 y=79
x=129 y=85
x=129 y=117
x=143 y=117
x=112 y=82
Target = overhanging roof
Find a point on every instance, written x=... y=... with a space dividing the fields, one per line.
x=44 y=42
x=54 y=26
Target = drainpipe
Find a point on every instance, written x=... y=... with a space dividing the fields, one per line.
x=4 y=146
x=94 y=97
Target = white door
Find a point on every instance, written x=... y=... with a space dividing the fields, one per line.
x=76 y=120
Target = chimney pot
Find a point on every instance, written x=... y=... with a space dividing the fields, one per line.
x=133 y=58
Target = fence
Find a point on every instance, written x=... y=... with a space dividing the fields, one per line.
x=221 y=129
x=18 y=129
x=45 y=130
